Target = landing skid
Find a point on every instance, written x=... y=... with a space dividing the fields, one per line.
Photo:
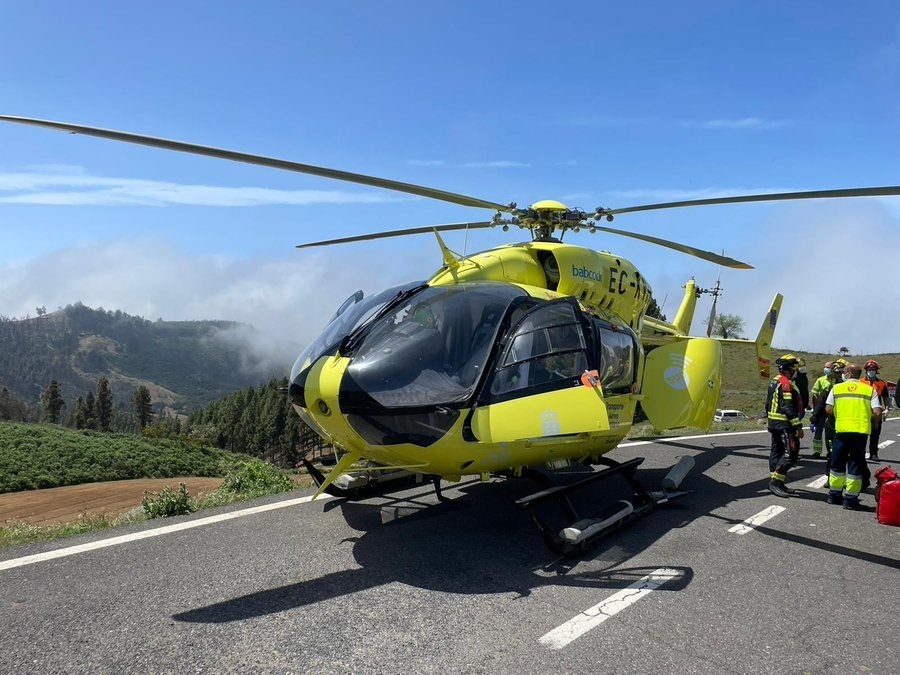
x=367 y=484
x=584 y=531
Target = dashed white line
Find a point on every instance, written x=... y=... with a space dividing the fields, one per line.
x=761 y=517
x=884 y=444
x=818 y=482
x=590 y=618
x=146 y=534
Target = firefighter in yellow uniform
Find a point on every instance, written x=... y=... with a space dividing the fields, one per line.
x=853 y=404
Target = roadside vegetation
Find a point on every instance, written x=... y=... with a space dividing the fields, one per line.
x=40 y=455
x=44 y=455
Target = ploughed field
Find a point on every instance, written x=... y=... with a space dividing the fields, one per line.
x=52 y=506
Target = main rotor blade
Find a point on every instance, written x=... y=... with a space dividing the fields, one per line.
x=399 y=233
x=271 y=162
x=684 y=248
x=890 y=190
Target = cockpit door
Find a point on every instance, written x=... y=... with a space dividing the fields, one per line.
x=542 y=385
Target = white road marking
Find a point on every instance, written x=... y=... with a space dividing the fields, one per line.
x=590 y=618
x=884 y=444
x=761 y=517
x=146 y=534
x=818 y=482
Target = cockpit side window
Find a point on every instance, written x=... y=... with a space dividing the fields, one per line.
x=545 y=351
x=618 y=358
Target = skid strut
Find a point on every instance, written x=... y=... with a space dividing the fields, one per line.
x=584 y=531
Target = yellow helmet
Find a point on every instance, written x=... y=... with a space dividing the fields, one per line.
x=788 y=363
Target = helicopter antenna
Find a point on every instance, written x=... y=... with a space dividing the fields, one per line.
x=715 y=291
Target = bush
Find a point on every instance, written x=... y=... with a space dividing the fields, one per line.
x=257 y=478
x=167 y=502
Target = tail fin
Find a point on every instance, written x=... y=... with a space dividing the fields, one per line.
x=764 y=338
x=763 y=341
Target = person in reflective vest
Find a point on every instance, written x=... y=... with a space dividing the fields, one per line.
x=825 y=423
x=880 y=386
x=817 y=399
x=853 y=404
x=783 y=412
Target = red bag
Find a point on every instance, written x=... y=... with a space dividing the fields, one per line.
x=887 y=496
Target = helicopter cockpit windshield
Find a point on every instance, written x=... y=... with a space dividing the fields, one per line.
x=429 y=349
x=352 y=313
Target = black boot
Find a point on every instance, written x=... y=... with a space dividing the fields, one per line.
x=776 y=487
x=784 y=487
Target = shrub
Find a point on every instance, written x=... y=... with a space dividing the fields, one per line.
x=257 y=478
x=167 y=502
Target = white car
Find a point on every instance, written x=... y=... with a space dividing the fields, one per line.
x=729 y=416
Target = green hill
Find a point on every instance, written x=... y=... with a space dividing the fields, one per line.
x=743 y=389
x=184 y=364
x=43 y=455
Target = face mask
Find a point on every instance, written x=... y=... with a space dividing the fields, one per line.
x=870 y=374
x=803 y=370
x=827 y=371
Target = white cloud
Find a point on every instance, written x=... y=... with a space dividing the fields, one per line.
x=72 y=186
x=740 y=123
x=678 y=195
x=287 y=299
x=615 y=122
x=835 y=267
x=834 y=264
x=499 y=164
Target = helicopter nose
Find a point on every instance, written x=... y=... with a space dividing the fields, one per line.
x=297 y=395
x=297 y=390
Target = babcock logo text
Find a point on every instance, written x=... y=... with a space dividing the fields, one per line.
x=585 y=273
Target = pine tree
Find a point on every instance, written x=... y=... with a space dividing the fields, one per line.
x=90 y=418
x=655 y=311
x=80 y=413
x=103 y=406
x=52 y=402
x=140 y=401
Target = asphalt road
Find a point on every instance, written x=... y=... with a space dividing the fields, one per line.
x=404 y=584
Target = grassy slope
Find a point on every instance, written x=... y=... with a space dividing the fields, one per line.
x=743 y=390
x=44 y=455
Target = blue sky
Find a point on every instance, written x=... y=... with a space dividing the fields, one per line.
x=588 y=103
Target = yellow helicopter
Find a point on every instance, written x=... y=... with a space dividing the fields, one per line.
x=508 y=362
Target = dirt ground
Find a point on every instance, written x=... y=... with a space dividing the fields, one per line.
x=66 y=504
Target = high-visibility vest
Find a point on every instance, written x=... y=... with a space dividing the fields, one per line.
x=852 y=407
x=820 y=385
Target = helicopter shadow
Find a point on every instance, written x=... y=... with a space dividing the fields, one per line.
x=478 y=543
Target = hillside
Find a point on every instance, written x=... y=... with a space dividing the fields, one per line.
x=184 y=364
x=42 y=455
x=743 y=390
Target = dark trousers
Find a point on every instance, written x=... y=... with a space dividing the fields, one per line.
x=873 y=439
x=848 y=465
x=784 y=452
